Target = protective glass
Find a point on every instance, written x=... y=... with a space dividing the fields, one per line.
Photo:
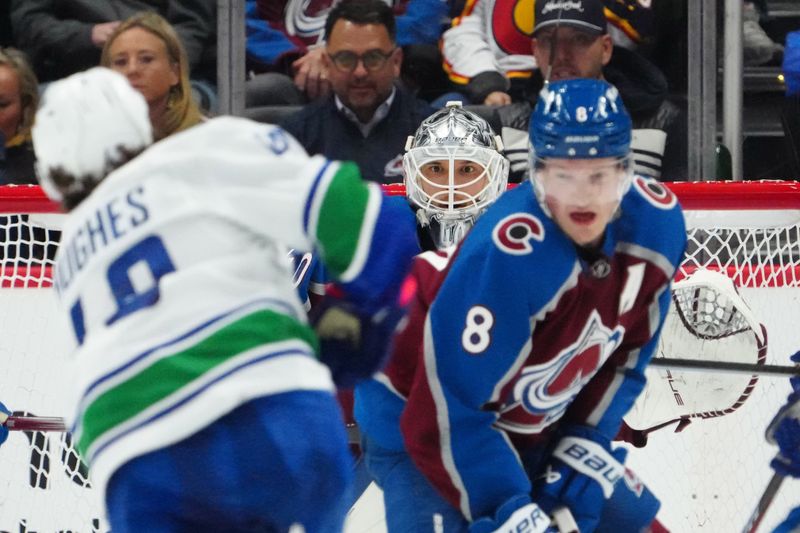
x=582 y=182
x=373 y=60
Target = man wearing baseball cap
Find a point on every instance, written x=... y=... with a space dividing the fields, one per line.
x=487 y=52
x=572 y=39
x=586 y=15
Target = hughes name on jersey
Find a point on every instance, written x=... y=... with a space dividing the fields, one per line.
x=518 y=332
x=175 y=275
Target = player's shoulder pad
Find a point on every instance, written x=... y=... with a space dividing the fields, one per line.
x=240 y=136
x=652 y=217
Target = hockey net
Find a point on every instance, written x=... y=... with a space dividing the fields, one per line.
x=43 y=485
x=709 y=476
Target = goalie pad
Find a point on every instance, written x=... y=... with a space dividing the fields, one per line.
x=707 y=320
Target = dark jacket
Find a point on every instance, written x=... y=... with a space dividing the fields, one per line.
x=56 y=34
x=20 y=238
x=644 y=91
x=18 y=166
x=322 y=129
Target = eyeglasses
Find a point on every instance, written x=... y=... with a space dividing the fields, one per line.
x=579 y=40
x=373 y=60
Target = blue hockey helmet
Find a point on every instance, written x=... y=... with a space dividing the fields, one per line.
x=580 y=160
x=580 y=119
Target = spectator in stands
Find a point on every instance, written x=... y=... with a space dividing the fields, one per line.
x=369 y=116
x=19 y=98
x=790 y=109
x=758 y=47
x=573 y=42
x=6 y=35
x=21 y=240
x=146 y=49
x=285 y=43
x=62 y=37
x=487 y=52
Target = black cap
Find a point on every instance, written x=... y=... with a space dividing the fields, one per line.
x=586 y=15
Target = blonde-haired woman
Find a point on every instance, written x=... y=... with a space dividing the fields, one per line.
x=147 y=51
x=19 y=98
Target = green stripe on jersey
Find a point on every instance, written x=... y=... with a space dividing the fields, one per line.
x=341 y=217
x=174 y=372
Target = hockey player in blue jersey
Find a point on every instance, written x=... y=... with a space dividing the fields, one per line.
x=199 y=401
x=528 y=343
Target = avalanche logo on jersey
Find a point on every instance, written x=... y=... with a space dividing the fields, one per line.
x=305 y=19
x=546 y=391
x=513 y=234
x=394 y=167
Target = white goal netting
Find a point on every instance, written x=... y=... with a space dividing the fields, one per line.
x=709 y=476
x=43 y=485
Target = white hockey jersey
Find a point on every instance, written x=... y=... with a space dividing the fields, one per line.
x=174 y=274
x=490 y=36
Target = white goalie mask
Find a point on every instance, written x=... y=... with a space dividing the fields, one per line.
x=453 y=169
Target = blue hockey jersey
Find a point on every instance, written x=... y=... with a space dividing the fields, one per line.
x=517 y=332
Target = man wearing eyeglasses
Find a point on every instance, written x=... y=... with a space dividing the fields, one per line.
x=369 y=115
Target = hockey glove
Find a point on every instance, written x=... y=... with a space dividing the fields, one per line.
x=581 y=475
x=633 y=507
x=517 y=514
x=784 y=430
x=353 y=344
x=3 y=428
x=791 y=524
x=795 y=380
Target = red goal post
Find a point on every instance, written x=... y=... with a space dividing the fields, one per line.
x=728 y=199
x=732 y=205
x=16 y=271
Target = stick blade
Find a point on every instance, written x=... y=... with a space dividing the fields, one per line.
x=35 y=423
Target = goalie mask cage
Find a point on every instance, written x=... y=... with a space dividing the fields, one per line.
x=708 y=477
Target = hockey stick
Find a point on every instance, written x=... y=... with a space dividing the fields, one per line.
x=764 y=503
x=32 y=423
x=553 y=49
x=564 y=521
x=724 y=366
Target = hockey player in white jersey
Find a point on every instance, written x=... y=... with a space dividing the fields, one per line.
x=200 y=404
